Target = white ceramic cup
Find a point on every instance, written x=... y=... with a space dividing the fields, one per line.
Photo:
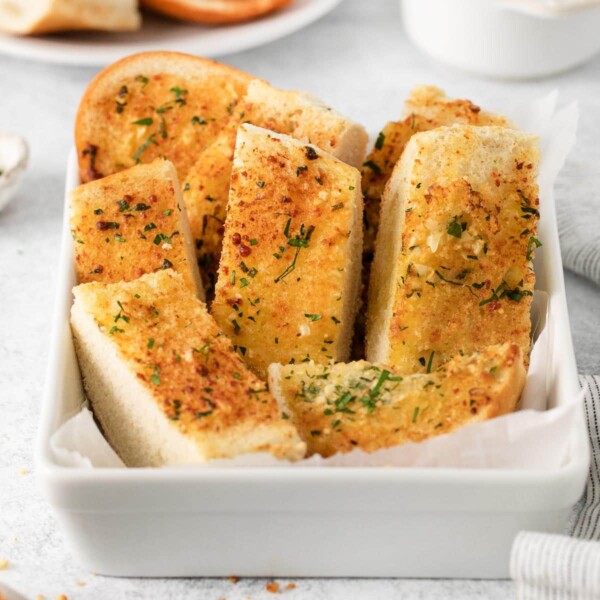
x=485 y=37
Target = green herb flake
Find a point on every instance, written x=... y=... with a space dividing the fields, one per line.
x=429 y=362
x=312 y=317
x=145 y=121
x=415 y=414
x=531 y=245
x=455 y=229
x=178 y=91
x=373 y=166
x=150 y=344
x=155 y=377
x=380 y=141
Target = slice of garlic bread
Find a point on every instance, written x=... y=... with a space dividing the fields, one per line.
x=206 y=186
x=132 y=223
x=337 y=408
x=150 y=105
x=163 y=381
x=452 y=271
x=290 y=268
x=426 y=108
x=26 y=17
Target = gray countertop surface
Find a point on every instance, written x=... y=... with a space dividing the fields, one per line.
x=358 y=60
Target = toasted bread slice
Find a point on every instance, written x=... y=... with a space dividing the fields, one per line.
x=289 y=272
x=340 y=407
x=25 y=17
x=163 y=381
x=215 y=11
x=154 y=104
x=452 y=271
x=132 y=223
x=426 y=108
x=291 y=113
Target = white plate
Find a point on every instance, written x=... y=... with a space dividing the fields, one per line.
x=100 y=49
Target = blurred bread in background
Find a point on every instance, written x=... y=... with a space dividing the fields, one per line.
x=215 y=11
x=24 y=17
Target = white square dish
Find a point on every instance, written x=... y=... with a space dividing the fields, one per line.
x=368 y=522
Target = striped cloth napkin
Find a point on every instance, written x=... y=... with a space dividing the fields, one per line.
x=580 y=238
x=557 y=567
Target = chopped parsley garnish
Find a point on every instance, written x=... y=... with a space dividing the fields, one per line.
x=503 y=291
x=145 y=121
x=167 y=264
x=149 y=227
x=143 y=80
x=429 y=362
x=150 y=344
x=299 y=170
x=380 y=141
x=98 y=211
x=260 y=184
x=300 y=241
x=455 y=228
x=528 y=211
x=415 y=414
x=149 y=140
x=167 y=212
x=531 y=245
x=312 y=317
x=178 y=91
x=236 y=326
x=123 y=205
x=155 y=377
x=371 y=165
x=198 y=120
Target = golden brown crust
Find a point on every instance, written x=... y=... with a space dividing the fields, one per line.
x=290 y=235
x=129 y=224
x=340 y=407
x=154 y=104
x=180 y=356
x=453 y=271
x=215 y=11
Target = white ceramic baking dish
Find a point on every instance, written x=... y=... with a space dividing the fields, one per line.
x=372 y=522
